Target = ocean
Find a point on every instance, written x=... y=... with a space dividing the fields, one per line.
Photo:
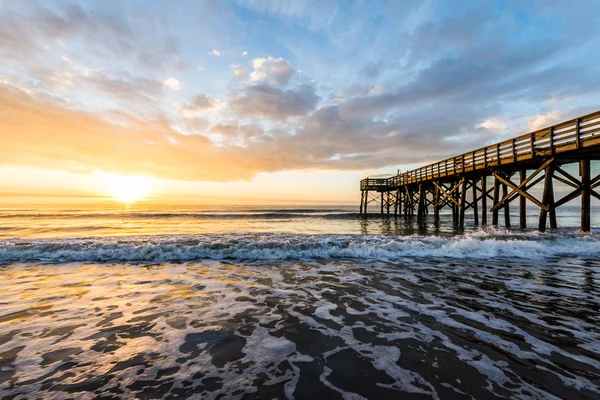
x=293 y=302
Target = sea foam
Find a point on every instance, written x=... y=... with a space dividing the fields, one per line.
x=253 y=246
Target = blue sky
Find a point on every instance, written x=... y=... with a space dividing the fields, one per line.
x=197 y=93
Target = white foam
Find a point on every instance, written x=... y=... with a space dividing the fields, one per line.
x=476 y=245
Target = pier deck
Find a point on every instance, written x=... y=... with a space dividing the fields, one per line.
x=461 y=182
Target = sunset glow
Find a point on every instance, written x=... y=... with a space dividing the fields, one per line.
x=128 y=189
x=294 y=112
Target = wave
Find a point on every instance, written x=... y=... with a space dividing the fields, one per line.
x=177 y=248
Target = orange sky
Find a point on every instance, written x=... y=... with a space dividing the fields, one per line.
x=238 y=103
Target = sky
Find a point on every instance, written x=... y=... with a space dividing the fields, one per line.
x=257 y=102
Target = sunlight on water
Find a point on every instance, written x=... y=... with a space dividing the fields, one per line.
x=434 y=328
x=291 y=302
x=138 y=220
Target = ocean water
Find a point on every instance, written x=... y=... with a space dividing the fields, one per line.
x=293 y=302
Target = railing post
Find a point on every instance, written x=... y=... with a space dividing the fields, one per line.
x=514 y=150
x=578 y=132
x=552 y=150
x=532 y=138
x=498 y=154
x=485 y=157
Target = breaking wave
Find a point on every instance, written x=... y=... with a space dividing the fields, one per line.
x=247 y=246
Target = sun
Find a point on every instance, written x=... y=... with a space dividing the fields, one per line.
x=126 y=189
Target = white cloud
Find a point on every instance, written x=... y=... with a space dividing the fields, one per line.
x=271 y=70
x=543 y=120
x=196 y=105
x=275 y=103
x=493 y=123
x=239 y=71
x=172 y=84
x=244 y=53
x=217 y=53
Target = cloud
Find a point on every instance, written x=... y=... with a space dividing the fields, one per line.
x=42 y=134
x=196 y=105
x=30 y=31
x=275 y=71
x=380 y=85
x=275 y=103
x=239 y=71
x=172 y=84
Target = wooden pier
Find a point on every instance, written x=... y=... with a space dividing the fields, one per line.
x=490 y=179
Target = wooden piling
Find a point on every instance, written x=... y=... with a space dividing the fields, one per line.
x=463 y=195
x=475 y=211
x=362 y=199
x=584 y=171
x=421 y=204
x=522 y=202
x=496 y=198
x=436 y=200
x=547 y=198
x=484 y=200
x=506 y=207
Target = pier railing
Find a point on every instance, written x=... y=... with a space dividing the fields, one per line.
x=575 y=134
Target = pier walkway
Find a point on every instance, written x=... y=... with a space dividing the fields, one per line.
x=513 y=166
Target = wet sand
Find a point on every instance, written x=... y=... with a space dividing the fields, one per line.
x=418 y=328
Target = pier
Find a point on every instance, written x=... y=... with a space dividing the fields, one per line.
x=491 y=179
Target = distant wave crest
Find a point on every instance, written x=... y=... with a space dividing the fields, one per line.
x=477 y=245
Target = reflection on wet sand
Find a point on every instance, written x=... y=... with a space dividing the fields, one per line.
x=417 y=328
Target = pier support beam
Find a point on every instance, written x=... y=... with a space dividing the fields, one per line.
x=496 y=198
x=436 y=202
x=362 y=200
x=522 y=201
x=365 y=201
x=475 y=210
x=421 y=203
x=484 y=200
x=584 y=171
x=506 y=206
x=548 y=201
x=463 y=194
